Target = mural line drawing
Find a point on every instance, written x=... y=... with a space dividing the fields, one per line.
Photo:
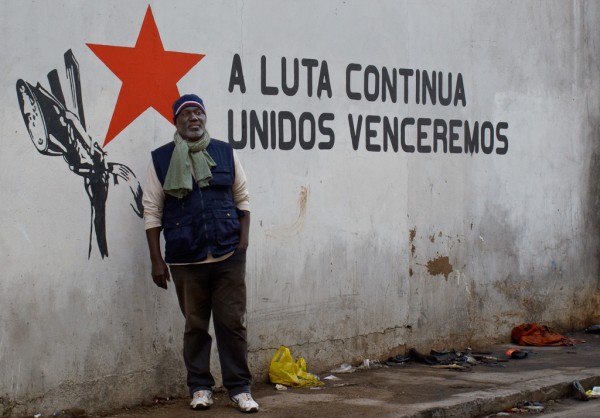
x=57 y=131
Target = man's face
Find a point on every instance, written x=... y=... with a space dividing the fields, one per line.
x=190 y=123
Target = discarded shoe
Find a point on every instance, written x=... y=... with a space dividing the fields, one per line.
x=579 y=391
x=399 y=359
x=593 y=329
x=515 y=353
x=201 y=400
x=244 y=402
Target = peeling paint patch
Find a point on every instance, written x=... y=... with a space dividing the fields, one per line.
x=440 y=265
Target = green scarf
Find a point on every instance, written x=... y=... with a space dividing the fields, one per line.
x=178 y=181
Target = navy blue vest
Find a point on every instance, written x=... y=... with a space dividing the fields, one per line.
x=206 y=220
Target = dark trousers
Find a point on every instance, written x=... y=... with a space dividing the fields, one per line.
x=219 y=288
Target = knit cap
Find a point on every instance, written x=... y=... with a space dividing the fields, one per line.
x=187 y=100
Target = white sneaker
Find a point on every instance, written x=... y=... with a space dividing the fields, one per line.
x=244 y=402
x=202 y=399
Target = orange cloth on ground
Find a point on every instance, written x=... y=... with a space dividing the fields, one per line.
x=535 y=334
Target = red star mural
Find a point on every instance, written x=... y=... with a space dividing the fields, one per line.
x=149 y=75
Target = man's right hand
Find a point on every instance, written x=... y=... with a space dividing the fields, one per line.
x=160 y=270
x=160 y=274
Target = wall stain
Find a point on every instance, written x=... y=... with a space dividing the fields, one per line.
x=302 y=202
x=412 y=233
x=440 y=265
x=298 y=224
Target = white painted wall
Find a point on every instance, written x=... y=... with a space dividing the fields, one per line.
x=343 y=241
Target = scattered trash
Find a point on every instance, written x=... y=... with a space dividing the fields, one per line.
x=449 y=367
x=593 y=392
x=399 y=359
x=471 y=359
x=525 y=407
x=439 y=359
x=370 y=364
x=534 y=407
x=284 y=370
x=344 y=368
x=464 y=359
x=331 y=377
x=280 y=387
x=159 y=400
x=422 y=358
x=488 y=359
x=339 y=385
x=70 y=413
x=446 y=357
x=593 y=329
x=392 y=364
x=579 y=391
x=63 y=413
x=516 y=410
x=515 y=353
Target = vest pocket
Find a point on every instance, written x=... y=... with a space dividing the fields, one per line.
x=221 y=177
x=180 y=238
x=227 y=226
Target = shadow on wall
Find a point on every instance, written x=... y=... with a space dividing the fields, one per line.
x=57 y=131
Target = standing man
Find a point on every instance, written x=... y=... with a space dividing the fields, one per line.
x=196 y=193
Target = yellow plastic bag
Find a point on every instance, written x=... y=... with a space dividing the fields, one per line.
x=285 y=371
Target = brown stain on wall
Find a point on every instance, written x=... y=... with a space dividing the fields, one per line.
x=440 y=265
x=298 y=224
x=302 y=203
x=302 y=200
x=412 y=233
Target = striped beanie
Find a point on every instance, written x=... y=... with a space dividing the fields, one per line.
x=187 y=100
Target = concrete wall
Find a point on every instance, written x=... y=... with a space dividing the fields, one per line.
x=362 y=243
